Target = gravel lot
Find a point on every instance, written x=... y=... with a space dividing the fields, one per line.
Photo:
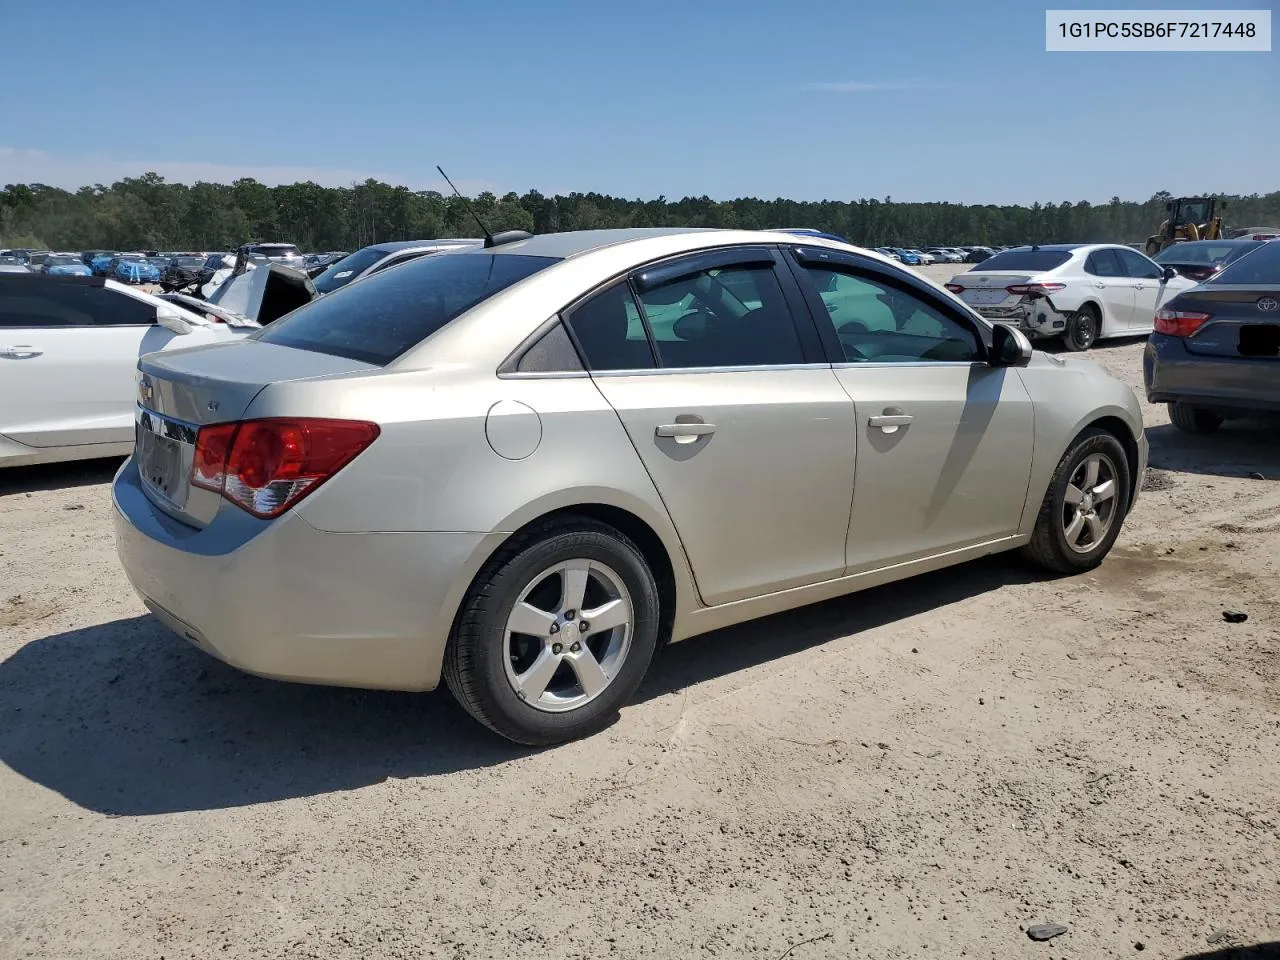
x=919 y=770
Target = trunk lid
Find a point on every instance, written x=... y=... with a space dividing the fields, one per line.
x=265 y=293
x=986 y=291
x=180 y=391
x=1245 y=320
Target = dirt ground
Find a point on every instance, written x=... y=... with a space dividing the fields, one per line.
x=920 y=770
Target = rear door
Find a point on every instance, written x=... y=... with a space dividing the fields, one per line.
x=944 y=440
x=68 y=354
x=1150 y=289
x=735 y=413
x=1113 y=288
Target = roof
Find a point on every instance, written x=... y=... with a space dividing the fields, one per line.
x=392 y=246
x=571 y=243
x=1063 y=247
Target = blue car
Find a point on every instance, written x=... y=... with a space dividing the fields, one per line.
x=909 y=257
x=135 y=270
x=101 y=264
x=65 y=265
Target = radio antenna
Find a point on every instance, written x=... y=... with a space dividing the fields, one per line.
x=488 y=237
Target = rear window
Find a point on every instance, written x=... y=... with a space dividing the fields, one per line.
x=1206 y=252
x=378 y=319
x=1261 y=266
x=1033 y=261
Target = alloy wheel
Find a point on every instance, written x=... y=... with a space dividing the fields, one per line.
x=1089 y=504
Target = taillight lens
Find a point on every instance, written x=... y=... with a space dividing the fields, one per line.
x=1180 y=323
x=1022 y=289
x=267 y=466
x=955 y=288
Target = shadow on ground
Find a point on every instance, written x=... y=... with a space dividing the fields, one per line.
x=125 y=719
x=1260 y=951
x=57 y=476
x=1240 y=448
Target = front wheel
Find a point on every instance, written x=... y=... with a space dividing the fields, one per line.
x=1084 y=507
x=555 y=634
x=1082 y=329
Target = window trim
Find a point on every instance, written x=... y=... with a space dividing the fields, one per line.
x=879 y=272
x=1105 y=276
x=509 y=369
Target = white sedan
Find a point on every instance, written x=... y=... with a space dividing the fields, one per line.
x=1081 y=292
x=69 y=349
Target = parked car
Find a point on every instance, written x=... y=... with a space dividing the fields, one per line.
x=1199 y=260
x=908 y=257
x=1080 y=292
x=102 y=263
x=8 y=265
x=285 y=254
x=978 y=254
x=135 y=270
x=889 y=252
x=182 y=269
x=378 y=257
x=924 y=258
x=1215 y=352
x=68 y=364
x=87 y=256
x=65 y=265
x=535 y=517
x=945 y=255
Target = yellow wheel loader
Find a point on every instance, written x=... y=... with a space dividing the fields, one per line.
x=1190 y=218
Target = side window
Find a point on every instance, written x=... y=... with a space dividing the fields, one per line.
x=1103 y=263
x=609 y=330
x=553 y=352
x=722 y=317
x=27 y=303
x=1138 y=266
x=876 y=321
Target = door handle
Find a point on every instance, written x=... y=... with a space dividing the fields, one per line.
x=890 y=422
x=20 y=352
x=685 y=432
x=1100 y=286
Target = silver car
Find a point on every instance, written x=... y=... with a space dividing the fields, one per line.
x=524 y=466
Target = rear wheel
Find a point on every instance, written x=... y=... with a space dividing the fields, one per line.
x=1191 y=419
x=555 y=634
x=1083 y=327
x=1084 y=507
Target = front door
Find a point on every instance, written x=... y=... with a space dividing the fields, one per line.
x=944 y=439
x=743 y=428
x=1149 y=287
x=1113 y=287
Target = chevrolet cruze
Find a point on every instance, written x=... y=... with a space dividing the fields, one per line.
x=523 y=466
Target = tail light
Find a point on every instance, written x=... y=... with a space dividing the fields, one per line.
x=267 y=466
x=955 y=287
x=1179 y=323
x=1023 y=289
x=1266 y=236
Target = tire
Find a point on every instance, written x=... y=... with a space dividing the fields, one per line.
x=1061 y=542
x=589 y=676
x=1191 y=419
x=1083 y=327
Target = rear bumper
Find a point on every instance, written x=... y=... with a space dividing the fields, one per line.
x=1173 y=374
x=287 y=601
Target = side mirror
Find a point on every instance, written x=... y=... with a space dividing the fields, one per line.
x=173 y=321
x=1169 y=273
x=1009 y=347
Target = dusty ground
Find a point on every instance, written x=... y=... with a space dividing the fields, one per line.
x=921 y=770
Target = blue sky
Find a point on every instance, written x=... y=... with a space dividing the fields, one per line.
x=915 y=99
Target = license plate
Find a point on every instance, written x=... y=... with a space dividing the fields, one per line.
x=1259 y=340
x=159 y=460
x=986 y=296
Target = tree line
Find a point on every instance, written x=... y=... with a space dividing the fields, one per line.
x=147 y=212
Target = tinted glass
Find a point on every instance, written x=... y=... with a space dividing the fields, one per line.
x=610 y=331
x=1104 y=263
x=1138 y=266
x=380 y=318
x=882 y=323
x=62 y=261
x=186 y=262
x=36 y=301
x=347 y=269
x=1260 y=266
x=1205 y=252
x=723 y=317
x=1033 y=261
x=396 y=261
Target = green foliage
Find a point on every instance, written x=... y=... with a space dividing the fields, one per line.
x=147 y=213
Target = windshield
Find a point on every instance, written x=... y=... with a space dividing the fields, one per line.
x=63 y=261
x=1206 y=252
x=378 y=319
x=187 y=261
x=1035 y=261
x=1262 y=266
x=347 y=269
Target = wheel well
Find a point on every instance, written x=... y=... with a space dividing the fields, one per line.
x=1120 y=430
x=644 y=537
